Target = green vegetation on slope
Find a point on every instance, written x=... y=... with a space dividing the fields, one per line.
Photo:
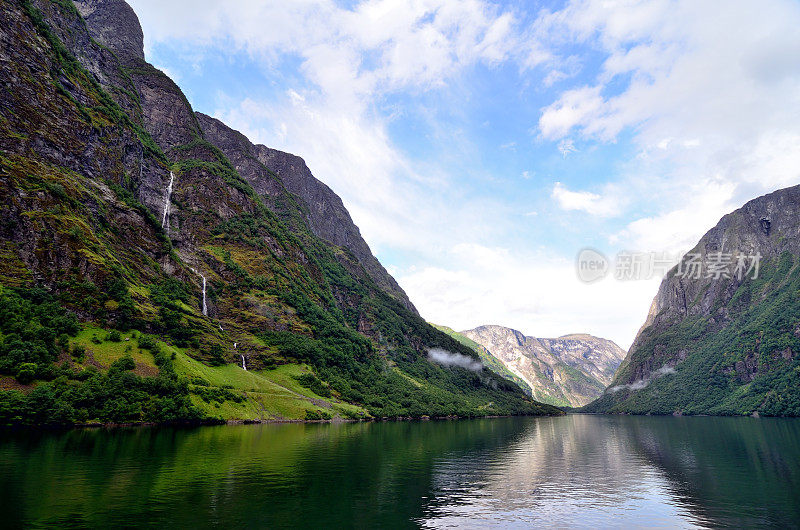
x=58 y=371
x=64 y=372
x=36 y=345
x=321 y=339
x=749 y=365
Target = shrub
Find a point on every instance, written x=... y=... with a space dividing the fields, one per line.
x=217 y=355
x=311 y=382
x=79 y=351
x=147 y=342
x=123 y=364
x=26 y=373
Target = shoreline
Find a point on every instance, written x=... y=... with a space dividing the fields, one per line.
x=215 y=422
x=276 y=421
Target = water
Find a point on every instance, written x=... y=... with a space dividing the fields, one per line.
x=167 y=196
x=582 y=471
x=204 y=307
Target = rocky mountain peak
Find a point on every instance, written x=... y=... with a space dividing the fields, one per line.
x=273 y=173
x=764 y=227
x=114 y=24
x=569 y=370
x=718 y=342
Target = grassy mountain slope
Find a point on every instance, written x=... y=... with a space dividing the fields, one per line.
x=92 y=138
x=725 y=346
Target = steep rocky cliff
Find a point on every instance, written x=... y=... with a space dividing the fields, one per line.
x=211 y=277
x=568 y=371
x=723 y=343
x=273 y=173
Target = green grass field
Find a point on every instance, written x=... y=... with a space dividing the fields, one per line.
x=106 y=352
x=268 y=394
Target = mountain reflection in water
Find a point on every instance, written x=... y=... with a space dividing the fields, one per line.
x=583 y=471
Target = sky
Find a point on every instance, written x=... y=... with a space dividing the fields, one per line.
x=481 y=145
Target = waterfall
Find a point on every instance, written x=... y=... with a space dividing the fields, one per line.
x=244 y=365
x=205 y=307
x=167 y=195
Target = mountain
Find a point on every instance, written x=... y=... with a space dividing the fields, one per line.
x=568 y=371
x=724 y=340
x=489 y=361
x=158 y=266
x=273 y=173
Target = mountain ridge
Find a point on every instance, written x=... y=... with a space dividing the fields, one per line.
x=145 y=279
x=723 y=345
x=570 y=370
x=325 y=213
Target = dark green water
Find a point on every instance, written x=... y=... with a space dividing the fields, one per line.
x=584 y=471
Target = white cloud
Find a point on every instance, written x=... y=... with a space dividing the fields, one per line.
x=585 y=201
x=539 y=294
x=447 y=358
x=644 y=383
x=709 y=93
x=376 y=46
x=573 y=108
x=705 y=93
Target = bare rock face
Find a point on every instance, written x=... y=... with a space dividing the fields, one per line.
x=766 y=226
x=327 y=215
x=570 y=370
x=115 y=25
x=167 y=114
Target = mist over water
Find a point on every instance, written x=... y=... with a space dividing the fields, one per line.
x=584 y=471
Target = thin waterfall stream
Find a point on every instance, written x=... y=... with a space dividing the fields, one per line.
x=203 y=278
x=167 y=195
x=244 y=364
x=205 y=307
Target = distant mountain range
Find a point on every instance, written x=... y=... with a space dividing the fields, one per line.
x=489 y=361
x=567 y=371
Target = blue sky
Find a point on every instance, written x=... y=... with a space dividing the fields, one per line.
x=480 y=145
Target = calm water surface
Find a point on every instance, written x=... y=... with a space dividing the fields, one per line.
x=574 y=471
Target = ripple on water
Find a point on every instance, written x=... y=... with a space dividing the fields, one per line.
x=576 y=471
